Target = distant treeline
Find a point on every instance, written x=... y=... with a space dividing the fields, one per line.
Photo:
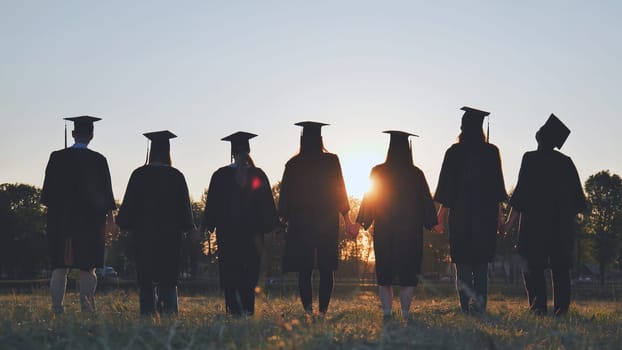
x=597 y=237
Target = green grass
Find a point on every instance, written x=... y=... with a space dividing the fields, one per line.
x=354 y=322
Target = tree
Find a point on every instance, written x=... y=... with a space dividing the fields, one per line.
x=23 y=246
x=604 y=195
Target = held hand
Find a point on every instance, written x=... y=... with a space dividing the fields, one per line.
x=112 y=230
x=281 y=231
x=352 y=230
x=279 y=235
x=439 y=228
x=505 y=228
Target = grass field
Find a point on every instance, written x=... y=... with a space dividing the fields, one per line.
x=354 y=321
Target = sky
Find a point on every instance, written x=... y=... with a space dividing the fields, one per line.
x=205 y=69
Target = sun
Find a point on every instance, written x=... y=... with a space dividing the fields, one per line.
x=356 y=167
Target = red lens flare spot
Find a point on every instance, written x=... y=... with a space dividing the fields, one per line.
x=255 y=183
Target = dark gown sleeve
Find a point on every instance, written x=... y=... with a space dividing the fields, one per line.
x=429 y=211
x=109 y=199
x=268 y=217
x=445 y=190
x=50 y=184
x=185 y=218
x=284 y=194
x=500 y=194
x=340 y=187
x=520 y=195
x=367 y=213
x=210 y=215
x=127 y=211
x=575 y=191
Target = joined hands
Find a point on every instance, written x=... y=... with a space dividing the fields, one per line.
x=112 y=230
x=352 y=230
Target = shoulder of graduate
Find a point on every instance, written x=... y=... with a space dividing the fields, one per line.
x=176 y=171
x=258 y=171
x=491 y=147
x=454 y=148
x=293 y=160
x=96 y=154
x=378 y=167
x=561 y=155
x=331 y=156
x=417 y=171
x=223 y=170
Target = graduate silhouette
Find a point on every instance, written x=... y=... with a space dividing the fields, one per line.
x=78 y=194
x=470 y=190
x=156 y=210
x=547 y=197
x=240 y=209
x=313 y=194
x=399 y=205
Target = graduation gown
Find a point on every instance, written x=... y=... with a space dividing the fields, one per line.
x=313 y=193
x=241 y=215
x=471 y=185
x=78 y=193
x=400 y=206
x=548 y=195
x=156 y=210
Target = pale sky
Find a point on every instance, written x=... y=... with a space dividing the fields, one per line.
x=205 y=69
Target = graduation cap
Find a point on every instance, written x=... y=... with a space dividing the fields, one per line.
x=159 y=141
x=399 y=140
x=311 y=129
x=82 y=124
x=474 y=119
x=399 y=137
x=239 y=142
x=396 y=134
x=554 y=131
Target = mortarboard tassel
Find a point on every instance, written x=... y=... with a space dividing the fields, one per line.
x=488 y=131
x=65 y=134
x=147 y=157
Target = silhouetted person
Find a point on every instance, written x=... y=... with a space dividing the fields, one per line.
x=156 y=210
x=313 y=194
x=241 y=209
x=471 y=189
x=547 y=198
x=78 y=194
x=399 y=205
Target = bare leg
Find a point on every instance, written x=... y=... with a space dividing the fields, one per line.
x=406 y=297
x=58 y=283
x=88 y=283
x=386 y=299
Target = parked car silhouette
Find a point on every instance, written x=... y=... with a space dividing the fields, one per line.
x=584 y=279
x=106 y=271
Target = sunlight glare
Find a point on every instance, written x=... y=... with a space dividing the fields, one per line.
x=356 y=167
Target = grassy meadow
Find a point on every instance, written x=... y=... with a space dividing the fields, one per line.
x=354 y=321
